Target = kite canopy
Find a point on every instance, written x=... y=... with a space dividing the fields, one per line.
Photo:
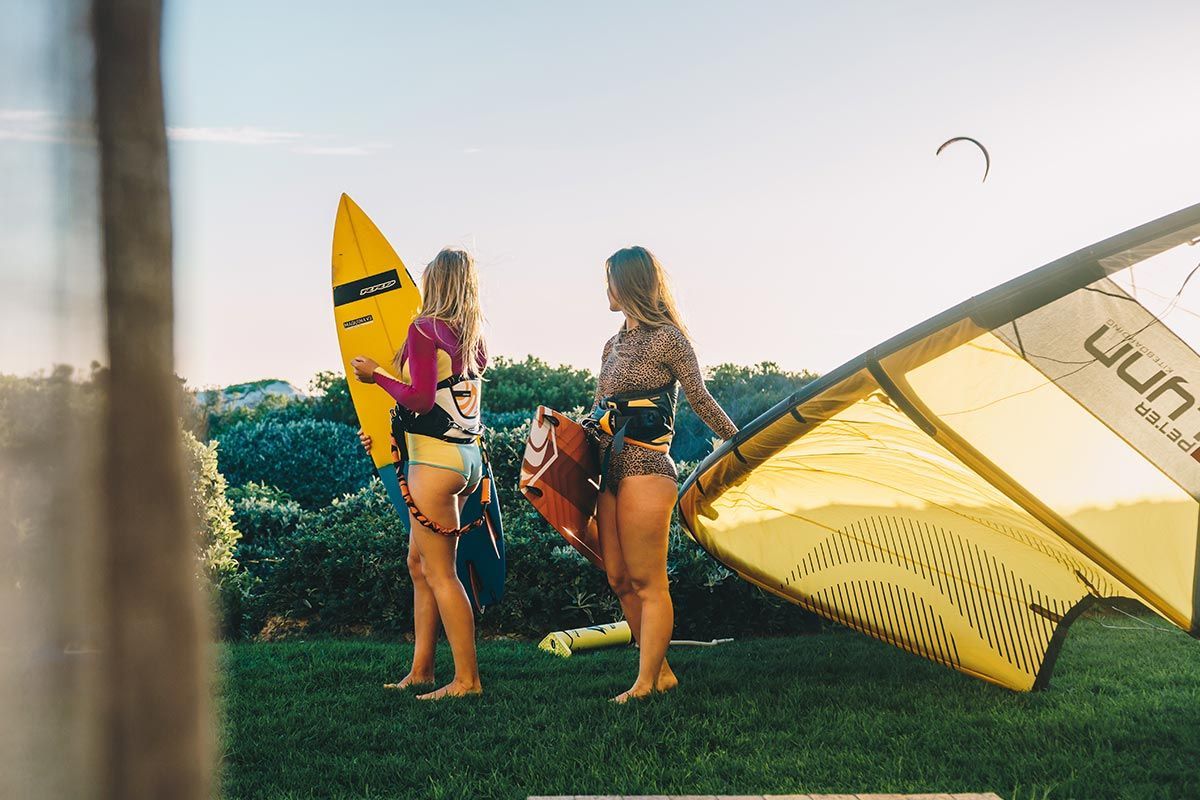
x=964 y=490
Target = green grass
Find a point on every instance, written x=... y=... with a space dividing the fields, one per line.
x=836 y=712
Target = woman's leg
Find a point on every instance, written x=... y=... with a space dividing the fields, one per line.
x=618 y=577
x=434 y=491
x=644 y=504
x=425 y=623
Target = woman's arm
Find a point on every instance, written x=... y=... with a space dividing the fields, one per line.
x=417 y=396
x=680 y=358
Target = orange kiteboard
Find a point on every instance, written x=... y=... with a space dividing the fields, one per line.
x=560 y=476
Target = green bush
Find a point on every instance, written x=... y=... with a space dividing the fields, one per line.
x=330 y=398
x=341 y=567
x=524 y=385
x=312 y=460
x=744 y=392
x=36 y=411
x=29 y=405
x=344 y=570
x=216 y=536
x=266 y=517
x=262 y=512
x=344 y=567
x=77 y=402
x=503 y=420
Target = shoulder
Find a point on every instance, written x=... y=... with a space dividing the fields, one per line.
x=608 y=346
x=423 y=326
x=669 y=333
x=435 y=330
x=669 y=340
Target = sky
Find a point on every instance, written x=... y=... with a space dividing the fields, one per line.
x=777 y=156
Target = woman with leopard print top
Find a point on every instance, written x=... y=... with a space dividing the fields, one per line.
x=632 y=423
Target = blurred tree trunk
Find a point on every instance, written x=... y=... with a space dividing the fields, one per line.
x=154 y=736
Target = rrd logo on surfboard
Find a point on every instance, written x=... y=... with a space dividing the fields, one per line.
x=369 y=287
x=354 y=323
x=379 y=287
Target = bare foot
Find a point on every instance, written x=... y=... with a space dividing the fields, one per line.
x=666 y=680
x=635 y=692
x=411 y=679
x=454 y=688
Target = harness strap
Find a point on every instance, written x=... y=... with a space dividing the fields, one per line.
x=663 y=413
x=450 y=424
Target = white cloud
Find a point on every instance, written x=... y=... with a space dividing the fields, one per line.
x=19 y=115
x=355 y=150
x=301 y=143
x=41 y=125
x=244 y=135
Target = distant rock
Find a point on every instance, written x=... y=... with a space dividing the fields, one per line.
x=248 y=395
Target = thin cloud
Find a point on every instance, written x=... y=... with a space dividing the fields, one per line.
x=247 y=136
x=26 y=116
x=354 y=150
x=301 y=143
x=41 y=125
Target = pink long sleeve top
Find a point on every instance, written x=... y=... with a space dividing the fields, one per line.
x=431 y=354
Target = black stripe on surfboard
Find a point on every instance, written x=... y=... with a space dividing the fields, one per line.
x=363 y=288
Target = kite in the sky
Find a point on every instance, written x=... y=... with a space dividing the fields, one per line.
x=987 y=158
x=966 y=489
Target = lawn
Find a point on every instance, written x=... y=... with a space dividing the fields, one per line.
x=834 y=712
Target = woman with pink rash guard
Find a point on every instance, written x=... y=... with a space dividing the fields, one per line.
x=436 y=384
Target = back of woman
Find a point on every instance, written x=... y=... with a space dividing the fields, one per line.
x=436 y=427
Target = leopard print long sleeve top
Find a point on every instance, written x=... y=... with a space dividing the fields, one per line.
x=642 y=359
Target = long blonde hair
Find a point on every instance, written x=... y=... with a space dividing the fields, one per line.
x=640 y=285
x=450 y=292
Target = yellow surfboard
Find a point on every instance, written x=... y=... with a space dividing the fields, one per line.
x=374 y=300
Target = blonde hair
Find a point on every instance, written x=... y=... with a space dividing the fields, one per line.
x=640 y=285
x=450 y=293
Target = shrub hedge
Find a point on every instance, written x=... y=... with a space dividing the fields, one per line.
x=322 y=547
x=313 y=460
x=343 y=570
